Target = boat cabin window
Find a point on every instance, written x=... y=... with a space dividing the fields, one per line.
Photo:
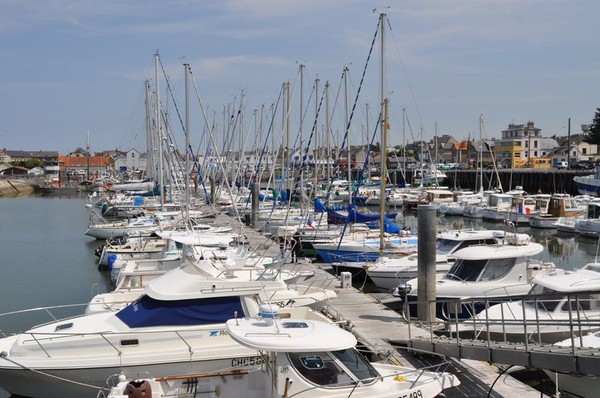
x=585 y=302
x=480 y=270
x=549 y=300
x=357 y=364
x=334 y=368
x=318 y=368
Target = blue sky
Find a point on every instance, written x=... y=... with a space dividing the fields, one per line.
x=73 y=66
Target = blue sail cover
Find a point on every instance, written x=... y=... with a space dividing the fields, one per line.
x=147 y=311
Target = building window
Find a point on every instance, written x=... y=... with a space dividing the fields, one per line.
x=535 y=143
x=584 y=151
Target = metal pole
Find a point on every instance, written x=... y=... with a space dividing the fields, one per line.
x=254 y=189
x=426 y=263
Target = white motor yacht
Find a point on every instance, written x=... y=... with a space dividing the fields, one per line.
x=177 y=327
x=571 y=385
x=557 y=307
x=388 y=272
x=484 y=273
x=299 y=358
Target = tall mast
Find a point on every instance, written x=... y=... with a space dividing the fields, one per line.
x=150 y=170
x=480 y=154
x=88 y=153
x=287 y=135
x=159 y=135
x=316 y=146
x=301 y=143
x=327 y=131
x=348 y=152
x=384 y=123
x=186 y=173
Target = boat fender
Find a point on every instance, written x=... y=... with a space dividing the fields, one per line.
x=138 y=389
x=110 y=261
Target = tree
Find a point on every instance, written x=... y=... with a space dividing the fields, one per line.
x=593 y=137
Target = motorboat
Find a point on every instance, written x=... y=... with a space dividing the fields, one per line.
x=177 y=327
x=559 y=205
x=299 y=357
x=347 y=250
x=590 y=184
x=388 y=272
x=574 y=385
x=557 y=307
x=592 y=212
x=483 y=274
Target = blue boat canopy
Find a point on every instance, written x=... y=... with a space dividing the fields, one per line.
x=147 y=311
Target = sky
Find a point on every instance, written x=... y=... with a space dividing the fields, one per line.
x=73 y=69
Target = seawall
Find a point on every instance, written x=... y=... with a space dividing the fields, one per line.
x=15 y=187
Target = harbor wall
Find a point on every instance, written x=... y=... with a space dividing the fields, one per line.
x=15 y=187
x=532 y=180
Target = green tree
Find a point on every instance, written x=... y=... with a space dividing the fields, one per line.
x=593 y=137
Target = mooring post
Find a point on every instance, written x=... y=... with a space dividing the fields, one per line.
x=426 y=272
x=254 y=190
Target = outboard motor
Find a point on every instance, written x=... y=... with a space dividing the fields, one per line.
x=402 y=290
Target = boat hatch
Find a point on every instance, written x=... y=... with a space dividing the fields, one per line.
x=63 y=326
x=294 y=325
x=129 y=342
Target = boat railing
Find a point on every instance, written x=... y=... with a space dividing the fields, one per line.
x=531 y=320
x=45 y=315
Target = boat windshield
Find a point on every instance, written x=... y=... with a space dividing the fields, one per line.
x=480 y=270
x=448 y=246
x=333 y=368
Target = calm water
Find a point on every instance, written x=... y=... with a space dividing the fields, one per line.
x=45 y=258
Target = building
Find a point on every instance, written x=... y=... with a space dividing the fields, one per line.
x=521 y=144
x=131 y=161
x=80 y=162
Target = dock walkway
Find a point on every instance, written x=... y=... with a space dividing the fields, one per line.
x=376 y=326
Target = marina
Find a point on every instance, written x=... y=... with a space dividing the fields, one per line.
x=256 y=263
x=50 y=232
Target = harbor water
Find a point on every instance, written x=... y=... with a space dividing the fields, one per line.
x=46 y=260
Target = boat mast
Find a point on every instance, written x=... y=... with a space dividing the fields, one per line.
x=347 y=119
x=159 y=134
x=384 y=124
x=88 y=154
x=186 y=173
x=316 y=146
x=150 y=170
x=327 y=132
x=480 y=154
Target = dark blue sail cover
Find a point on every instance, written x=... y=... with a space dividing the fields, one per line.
x=147 y=311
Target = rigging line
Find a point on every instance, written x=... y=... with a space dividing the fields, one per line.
x=307 y=148
x=354 y=194
x=171 y=94
x=269 y=132
x=212 y=138
x=335 y=104
x=349 y=123
x=410 y=90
